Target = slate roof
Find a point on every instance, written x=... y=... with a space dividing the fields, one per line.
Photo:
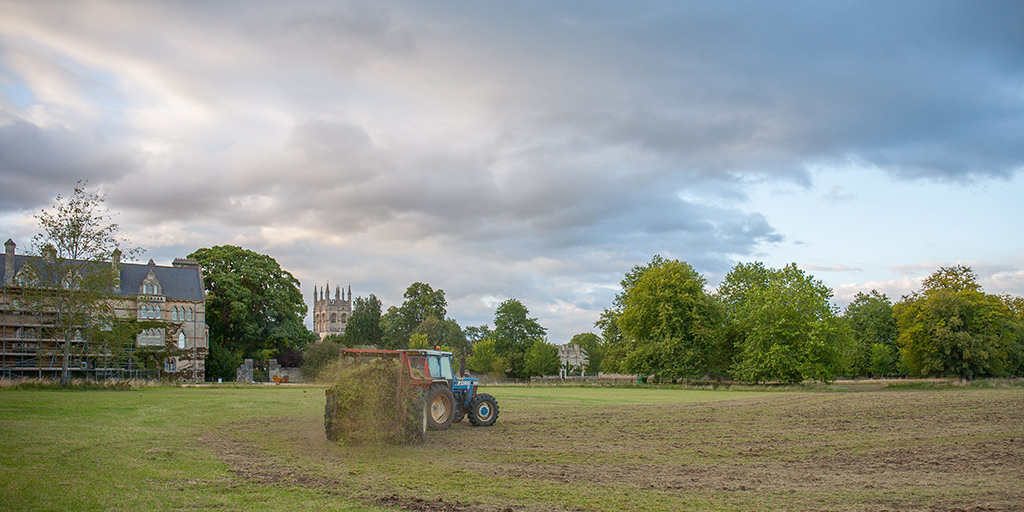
x=180 y=283
x=177 y=283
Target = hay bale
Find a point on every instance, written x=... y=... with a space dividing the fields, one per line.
x=370 y=403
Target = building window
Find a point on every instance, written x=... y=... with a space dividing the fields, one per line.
x=181 y=340
x=188 y=314
x=170 y=365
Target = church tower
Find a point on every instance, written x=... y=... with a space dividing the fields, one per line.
x=330 y=315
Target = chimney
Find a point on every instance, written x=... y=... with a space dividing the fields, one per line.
x=185 y=263
x=9 y=262
x=115 y=262
x=49 y=253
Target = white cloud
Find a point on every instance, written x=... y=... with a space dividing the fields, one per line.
x=533 y=151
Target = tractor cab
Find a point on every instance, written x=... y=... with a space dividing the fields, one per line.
x=451 y=398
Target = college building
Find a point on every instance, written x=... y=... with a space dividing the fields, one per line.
x=169 y=339
x=330 y=316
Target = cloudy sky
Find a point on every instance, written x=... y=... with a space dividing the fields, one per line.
x=535 y=150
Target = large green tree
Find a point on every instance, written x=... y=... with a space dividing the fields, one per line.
x=873 y=351
x=615 y=348
x=253 y=307
x=541 y=359
x=73 y=274
x=514 y=333
x=671 y=324
x=485 y=359
x=445 y=332
x=789 y=331
x=421 y=302
x=593 y=348
x=952 y=328
x=364 y=327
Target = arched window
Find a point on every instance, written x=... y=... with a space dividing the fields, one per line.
x=334 y=318
x=181 y=340
x=188 y=314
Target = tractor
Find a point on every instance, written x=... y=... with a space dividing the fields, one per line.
x=445 y=398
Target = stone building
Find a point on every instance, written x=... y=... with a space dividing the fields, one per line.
x=330 y=316
x=571 y=356
x=169 y=300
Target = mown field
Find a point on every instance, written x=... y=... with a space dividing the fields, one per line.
x=553 y=448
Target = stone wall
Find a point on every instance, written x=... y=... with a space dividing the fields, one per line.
x=244 y=372
x=281 y=372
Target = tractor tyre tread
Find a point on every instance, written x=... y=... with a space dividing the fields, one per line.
x=475 y=407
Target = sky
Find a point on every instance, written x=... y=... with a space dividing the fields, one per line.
x=532 y=150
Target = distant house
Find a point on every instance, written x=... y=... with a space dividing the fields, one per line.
x=571 y=356
x=169 y=300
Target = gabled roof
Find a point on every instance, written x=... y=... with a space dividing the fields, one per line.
x=177 y=283
x=181 y=283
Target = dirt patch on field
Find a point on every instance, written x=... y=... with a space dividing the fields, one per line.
x=908 y=450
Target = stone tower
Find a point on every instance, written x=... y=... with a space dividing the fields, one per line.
x=331 y=315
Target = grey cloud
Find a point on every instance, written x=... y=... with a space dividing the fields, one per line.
x=37 y=163
x=481 y=138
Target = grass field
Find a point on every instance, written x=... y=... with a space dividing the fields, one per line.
x=553 y=448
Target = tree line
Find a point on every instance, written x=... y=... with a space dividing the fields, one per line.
x=760 y=325
x=779 y=325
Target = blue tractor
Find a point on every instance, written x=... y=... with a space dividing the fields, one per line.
x=450 y=398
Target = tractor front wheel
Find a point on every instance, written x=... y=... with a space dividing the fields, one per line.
x=440 y=408
x=483 y=410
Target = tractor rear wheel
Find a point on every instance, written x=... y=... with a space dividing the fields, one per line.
x=483 y=410
x=440 y=408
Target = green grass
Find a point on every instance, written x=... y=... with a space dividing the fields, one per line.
x=553 y=448
x=139 y=449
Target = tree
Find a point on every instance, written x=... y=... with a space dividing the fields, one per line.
x=74 y=275
x=514 y=333
x=952 y=328
x=733 y=293
x=611 y=338
x=441 y=332
x=253 y=306
x=670 y=323
x=477 y=333
x=485 y=359
x=873 y=331
x=364 y=327
x=320 y=355
x=788 y=325
x=541 y=359
x=593 y=348
x=221 y=363
x=421 y=302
